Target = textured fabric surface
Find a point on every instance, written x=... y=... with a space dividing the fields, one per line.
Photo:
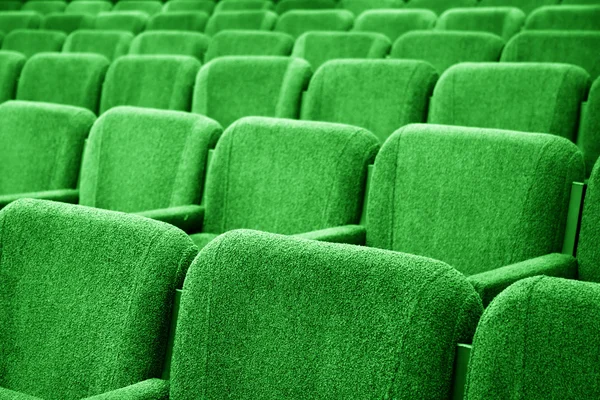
x=139 y=159
x=188 y=218
x=579 y=48
x=357 y=7
x=128 y=21
x=249 y=43
x=68 y=328
x=349 y=234
x=589 y=131
x=194 y=21
x=10 y=6
x=528 y=97
x=272 y=317
x=157 y=81
x=11 y=20
x=206 y=6
x=443 y=49
x=297 y=22
x=394 y=23
x=151 y=389
x=180 y=43
x=70 y=196
x=44 y=7
x=229 y=88
x=41 y=146
x=477 y=199
x=284 y=6
x=286 y=176
x=30 y=42
x=527 y=6
x=538 y=340
x=11 y=64
x=71 y=79
x=319 y=47
x=92 y=7
x=202 y=239
x=110 y=44
x=565 y=17
x=502 y=21
x=261 y=20
x=67 y=23
x=379 y=95
x=146 y=6
x=439 y=6
x=243 y=5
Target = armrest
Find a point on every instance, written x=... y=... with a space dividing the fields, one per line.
x=62 y=195
x=188 y=218
x=490 y=283
x=6 y=394
x=350 y=234
x=151 y=389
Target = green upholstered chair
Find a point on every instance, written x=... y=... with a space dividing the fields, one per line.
x=527 y=6
x=192 y=44
x=206 y=6
x=297 y=22
x=91 y=7
x=194 y=21
x=127 y=21
x=565 y=17
x=284 y=6
x=589 y=128
x=440 y=6
x=501 y=21
x=394 y=23
x=249 y=43
x=358 y=7
x=261 y=20
x=11 y=20
x=30 y=42
x=45 y=7
x=110 y=44
x=243 y=5
x=67 y=22
x=11 y=65
x=146 y=6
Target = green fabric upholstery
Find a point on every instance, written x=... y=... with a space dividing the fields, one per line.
x=349 y=234
x=41 y=146
x=63 y=195
x=261 y=20
x=202 y=239
x=181 y=43
x=128 y=21
x=156 y=81
x=589 y=131
x=145 y=6
x=206 y=6
x=151 y=389
x=30 y=42
x=528 y=97
x=138 y=159
x=45 y=7
x=357 y=7
x=229 y=88
x=6 y=394
x=11 y=64
x=297 y=22
x=11 y=20
x=110 y=44
x=378 y=95
x=443 y=49
x=188 y=218
x=299 y=319
x=527 y=6
x=574 y=47
x=243 y=5
x=284 y=6
x=67 y=23
x=71 y=79
x=92 y=7
x=179 y=21
x=440 y=6
x=249 y=43
x=287 y=176
x=502 y=21
x=478 y=199
x=320 y=47
x=394 y=23
x=565 y=17
x=580 y=2
x=68 y=328
x=538 y=340
x=10 y=6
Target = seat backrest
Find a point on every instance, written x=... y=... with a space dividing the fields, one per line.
x=206 y=6
x=86 y=298
x=146 y=6
x=527 y=6
x=440 y=6
x=110 y=44
x=378 y=95
x=41 y=145
x=30 y=41
x=284 y=6
x=394 y=23
x=320 y=47
x=243 y=5
x=93 y=7
x=181 y=43
x=71 y=79
x=538 y=339
x=12 y=64
x=249 y=43
x=261 y=20
x=357 y=7
x=502 y=21
x=67 y=23
x=297 y=22
x=443 y=49
x=478 y=199
x=194 y=21
x=11 y=20
x=287 y=176
x=229 y=88
x=292 y=318
x=565 y=17
x=528 y=97
x=128 y=21
x=157 y=81
x=589 y=128
x=44 y=7
x=10 y=5
x=140 y=159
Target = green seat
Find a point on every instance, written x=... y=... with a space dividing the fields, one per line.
x=110 y=44
x=11 y=20
x=156 y=81
x=67 y=23
x=191 y=44
x=92 y=7
x=538 y=339
x=127 y=21
x=10 y=5
x=249 y=43
x=287 y=177
x=284 y=6
x=146 y=6
x=357 y=7
x=40 y=147
x=194 y=21
x=71 y=79
x=443 y=49
x=11 y=64
x=502 y=21
x=589 y=127
x=229 y=88
x=206 y=6
x=565 y=17
x=527 y=6
x=45 y=7
x=395 y=23
x=243 y=5
x=440 y=6
x=297 y=22
x=320 y=47
x=261 y=20
x=528 y=97
x=86 y=299
x=378 y=95
x=30 y=42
